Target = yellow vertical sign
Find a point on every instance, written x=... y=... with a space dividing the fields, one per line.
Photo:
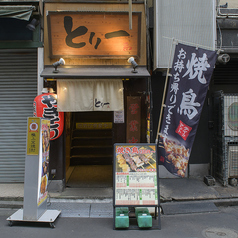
x=33 y=135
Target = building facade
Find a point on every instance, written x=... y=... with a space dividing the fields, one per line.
x=104 y=100
x=218 y=33
x=95 y=39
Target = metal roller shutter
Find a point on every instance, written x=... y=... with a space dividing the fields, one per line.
x=18 y=88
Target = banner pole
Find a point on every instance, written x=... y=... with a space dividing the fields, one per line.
x=130 y=14
x=165 y=89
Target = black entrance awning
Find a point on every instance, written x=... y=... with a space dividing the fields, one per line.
x=92 y=72
x=21 y=12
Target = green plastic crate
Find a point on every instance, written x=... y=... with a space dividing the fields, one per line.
x=122 y=217
x=144 y=219
x=139 y=210
x=122 y=210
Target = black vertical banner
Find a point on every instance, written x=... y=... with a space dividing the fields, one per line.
x=187 y=88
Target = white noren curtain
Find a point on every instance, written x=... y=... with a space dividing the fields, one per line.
x=89 y=95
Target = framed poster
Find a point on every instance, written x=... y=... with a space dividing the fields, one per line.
x=135 y=175
x=44 y=162
x=119 y=116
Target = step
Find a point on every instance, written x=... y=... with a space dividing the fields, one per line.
x=92 y=133
x=91 y=160
x=92 y=150
x=81 y=141
x=97 y=116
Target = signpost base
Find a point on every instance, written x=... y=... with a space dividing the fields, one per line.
x=49 y=216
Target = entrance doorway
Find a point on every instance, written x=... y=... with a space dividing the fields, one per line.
x=91 y=150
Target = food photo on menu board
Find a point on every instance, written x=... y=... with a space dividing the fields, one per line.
x=135 y=158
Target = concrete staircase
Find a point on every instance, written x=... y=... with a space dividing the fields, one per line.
x=90 y=144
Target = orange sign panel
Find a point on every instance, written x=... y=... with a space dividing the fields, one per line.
x=93 y=34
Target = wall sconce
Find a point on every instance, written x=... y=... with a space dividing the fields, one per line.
x=131 y=60
x=58 y=63
x=32 y=25
x=51 y=90
x=44 y=90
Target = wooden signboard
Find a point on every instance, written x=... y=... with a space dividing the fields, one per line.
x=93 y=34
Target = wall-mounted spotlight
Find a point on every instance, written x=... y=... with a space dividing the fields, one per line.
x=131 y=60
x=58 y=63
x=32 y=25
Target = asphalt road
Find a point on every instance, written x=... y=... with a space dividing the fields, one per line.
x=222 y=223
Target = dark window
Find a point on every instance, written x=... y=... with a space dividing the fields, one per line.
x=12 y=29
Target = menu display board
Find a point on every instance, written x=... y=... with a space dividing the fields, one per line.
x=36 y=175
x=44 y=161
x=135 y=174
